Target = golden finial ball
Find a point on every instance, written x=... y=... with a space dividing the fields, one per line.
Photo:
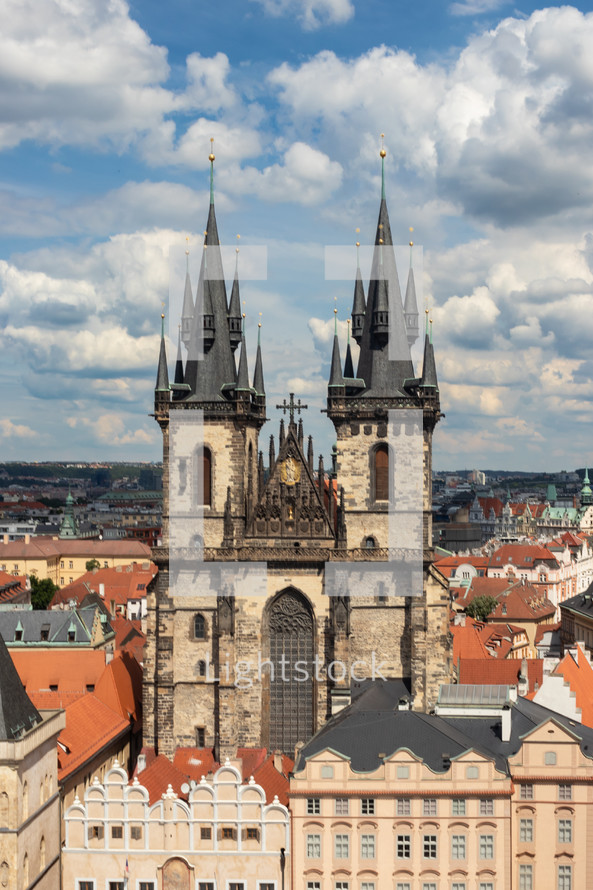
x=187 y=252
x=162 y=314
x=380 y=241
x=358 y=243
x=411 y=243
x=382 y=152
x=243 y=315
x=236 y=250
x=211 y=157
x=426 y=310
x=259 y=324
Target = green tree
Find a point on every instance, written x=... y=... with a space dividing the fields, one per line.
x=92 y=564
x=42 y=592
x=481 y=606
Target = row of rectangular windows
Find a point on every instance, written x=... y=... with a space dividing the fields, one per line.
x=429 y=805
x=564 y=881
x=368 y=849
x=401 y=885
x=226 y=833
x=151 y=885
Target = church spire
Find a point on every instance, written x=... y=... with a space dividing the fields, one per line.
x=179 y=362
x=235 y=307
x=210 y=370
x=385 y=362
x=411 y=303
x=258 y=376
x=336 y=378
x=359 y=303
x=188 y=304
x=429 y=368
x=243 y=372
x=162 y=377
x=348 y=364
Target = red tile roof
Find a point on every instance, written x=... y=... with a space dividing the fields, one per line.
x=118 y=584
x=157 y=777
x=496 y=671
x=578 y=673
x=273 y=782
x=467 y=642
x=195 y=762
x=72 y=671
x=129 y=637
x=120 y=687
x=521 y=556
x=90 y=727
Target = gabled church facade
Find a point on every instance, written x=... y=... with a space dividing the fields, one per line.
x=281 y=586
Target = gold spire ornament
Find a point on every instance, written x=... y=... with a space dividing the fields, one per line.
x=382 y=152
x=211 y=156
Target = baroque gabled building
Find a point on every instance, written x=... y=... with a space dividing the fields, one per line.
x=280 y=586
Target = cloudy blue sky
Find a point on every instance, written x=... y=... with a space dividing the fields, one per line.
x=106 y=115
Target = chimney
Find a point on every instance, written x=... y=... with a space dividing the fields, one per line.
x=27 y=539
x=278 y=761
x=141 y=764
x=102 y=590
x=505 y=724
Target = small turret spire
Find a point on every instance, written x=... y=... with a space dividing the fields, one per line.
x=179 y=362
x=234 y=313
x=348 y=363
x=359 y=303
x=382 y=154
x=410 y=302
x=243 y=372
x=429 y=370
x=211 y=158
x=336 y=378
x=162 y=377
x=258 y=376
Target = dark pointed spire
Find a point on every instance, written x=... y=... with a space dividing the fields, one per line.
x=17 y=712
x=348 y=363
x=301 y=433
x=336 y=378
x=179 y=362
x=210 y=370
x=385 y=362
x=321 y=479
x=243 y=372
x=411 y=304
x=281 y=435
x=162 y=377
x=258 y=376
x=429 y=368
x=359 y=302
x=261 y=478
x=272 y=454
x=187 y=313
x=235 y=307
x=310 y=456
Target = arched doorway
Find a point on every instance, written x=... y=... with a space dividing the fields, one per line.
x=291 y=635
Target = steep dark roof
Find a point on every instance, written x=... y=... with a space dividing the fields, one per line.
x=372 y=728
x=17 y=712
x=384 y=365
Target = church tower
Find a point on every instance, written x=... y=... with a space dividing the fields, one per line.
x=255 y=635
x=384 y=419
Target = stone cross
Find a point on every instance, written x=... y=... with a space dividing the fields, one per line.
x=291 y=406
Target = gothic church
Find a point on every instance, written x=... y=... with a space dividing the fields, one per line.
x=248 y=612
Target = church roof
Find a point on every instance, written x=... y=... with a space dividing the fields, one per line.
x=17 y=712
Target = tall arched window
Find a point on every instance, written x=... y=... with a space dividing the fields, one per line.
x=199 y=627
x=42 y=854
x=204 y=477
x=381 y=472
x=291 y=680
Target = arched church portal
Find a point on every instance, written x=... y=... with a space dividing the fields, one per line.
x=291 y=687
